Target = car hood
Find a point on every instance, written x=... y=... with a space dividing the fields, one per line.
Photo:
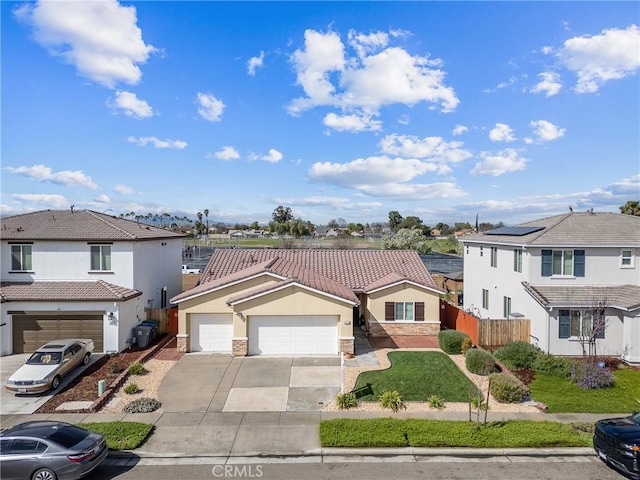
x=623 y=428
x=33 y=372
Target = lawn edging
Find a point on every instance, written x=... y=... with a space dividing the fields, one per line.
x=468 y=452
x=119 y=381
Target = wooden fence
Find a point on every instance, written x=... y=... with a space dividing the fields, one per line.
x=168 y=318
x=487 y=333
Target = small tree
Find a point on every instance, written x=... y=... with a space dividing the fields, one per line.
x=407 y=239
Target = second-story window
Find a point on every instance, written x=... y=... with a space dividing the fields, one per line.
x=563 y=262
x=101 y=257
x=21 y=258
x=517 y=260
x=494 y=257
x=627 y=259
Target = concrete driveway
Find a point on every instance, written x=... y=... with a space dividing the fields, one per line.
x=220 y=383
x=12 y=404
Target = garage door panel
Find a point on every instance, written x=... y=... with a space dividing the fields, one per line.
x=30 y=332
x=211 y=332
x=293 y=335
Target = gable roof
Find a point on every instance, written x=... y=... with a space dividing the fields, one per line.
x=625 y=297
x=78 y=225
x=570 y=229
x=64 y=291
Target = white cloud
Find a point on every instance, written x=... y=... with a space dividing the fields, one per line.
x=42 y=173
x=48 y=200
x=131 y=105
x=102 y=199
x=499 y=163
x=227 y=153
x=375 y=76
x=352 y=123
x=254 y=63
x=100 y=38
x=501 y=133
x=210 y=108
x=417 y=191
x=433 y=148
x=156 y=142
x=550 y=84
x=334 y=203
x=274 y=156
x=459 y=130
x=546 y=131
x=404 y=119
x=123 y=190
x=611 y=55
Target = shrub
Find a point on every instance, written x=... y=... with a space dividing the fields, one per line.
x=345 y=401
x=115 y=367
x=131 y=388
x=466 y=345
x=479 y=362
x=551 y=365
x=451 y=341
x=142 y=405
x=506 y=389
x=517 y=355
x=589 y=375
x=391 y=399
x=137 y=368
x=435 y=401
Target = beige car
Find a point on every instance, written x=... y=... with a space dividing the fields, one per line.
x=46 y=367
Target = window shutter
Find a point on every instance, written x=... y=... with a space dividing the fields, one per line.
x=389 y=311
x=547 y=263
x=419 y=311
x=578 y=263
x=565 y=324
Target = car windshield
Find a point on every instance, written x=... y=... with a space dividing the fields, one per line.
x=68 y=435
x=636 y=418
x=45 y=358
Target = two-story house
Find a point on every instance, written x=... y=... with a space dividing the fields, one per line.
x=573 y=276
x=84 y=274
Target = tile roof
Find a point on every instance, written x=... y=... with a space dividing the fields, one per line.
x=626 y=297
x=64 y=291
x=77 y=225
x=573 y=229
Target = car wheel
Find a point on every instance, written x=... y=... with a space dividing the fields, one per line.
x=56 y=382
x=85 y=360
x=44 y=474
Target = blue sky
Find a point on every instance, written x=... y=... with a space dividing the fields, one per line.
x=509 y=110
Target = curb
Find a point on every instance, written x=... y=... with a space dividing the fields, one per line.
x=379 y=453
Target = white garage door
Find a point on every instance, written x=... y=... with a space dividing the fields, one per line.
x=276 y=335
x=211 y=332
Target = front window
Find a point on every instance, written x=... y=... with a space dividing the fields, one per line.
x=627 y=259
x=101 y=257
x=582 y=323
x=517 y=260
x=563 y=263
x=21 y=257
x=485 y=299
x=494 y=256
x=404 y=311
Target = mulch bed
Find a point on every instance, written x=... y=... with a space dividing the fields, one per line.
x=85 y=388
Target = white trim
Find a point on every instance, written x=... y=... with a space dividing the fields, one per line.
x=423 y=287
x=281 y=287
x=632 y=258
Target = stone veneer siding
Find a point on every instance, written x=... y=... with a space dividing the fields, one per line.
x=347 y=345
x=388 y=329
x=182 y=342
x=240 y=347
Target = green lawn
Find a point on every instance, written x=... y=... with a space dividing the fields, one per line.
x=564 y=396
x=393 y=432
x=121 y=435
x=416 y=376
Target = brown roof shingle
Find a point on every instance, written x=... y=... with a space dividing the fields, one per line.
x=77 y=225
x=620 y=296
x=72 y=291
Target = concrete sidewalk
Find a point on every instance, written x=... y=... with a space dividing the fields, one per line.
x=292 y=435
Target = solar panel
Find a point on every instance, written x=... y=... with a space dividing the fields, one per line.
x=514 y=231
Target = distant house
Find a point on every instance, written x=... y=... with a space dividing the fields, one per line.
x=568 y=274
x=269 y=301
x=82 y=274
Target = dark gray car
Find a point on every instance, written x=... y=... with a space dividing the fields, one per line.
x=48 y=450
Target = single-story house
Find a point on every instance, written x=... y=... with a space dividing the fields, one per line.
x=305 y=301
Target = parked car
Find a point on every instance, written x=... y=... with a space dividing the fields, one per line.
x=617 y=443
x=48 y=450
x=46 y=367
